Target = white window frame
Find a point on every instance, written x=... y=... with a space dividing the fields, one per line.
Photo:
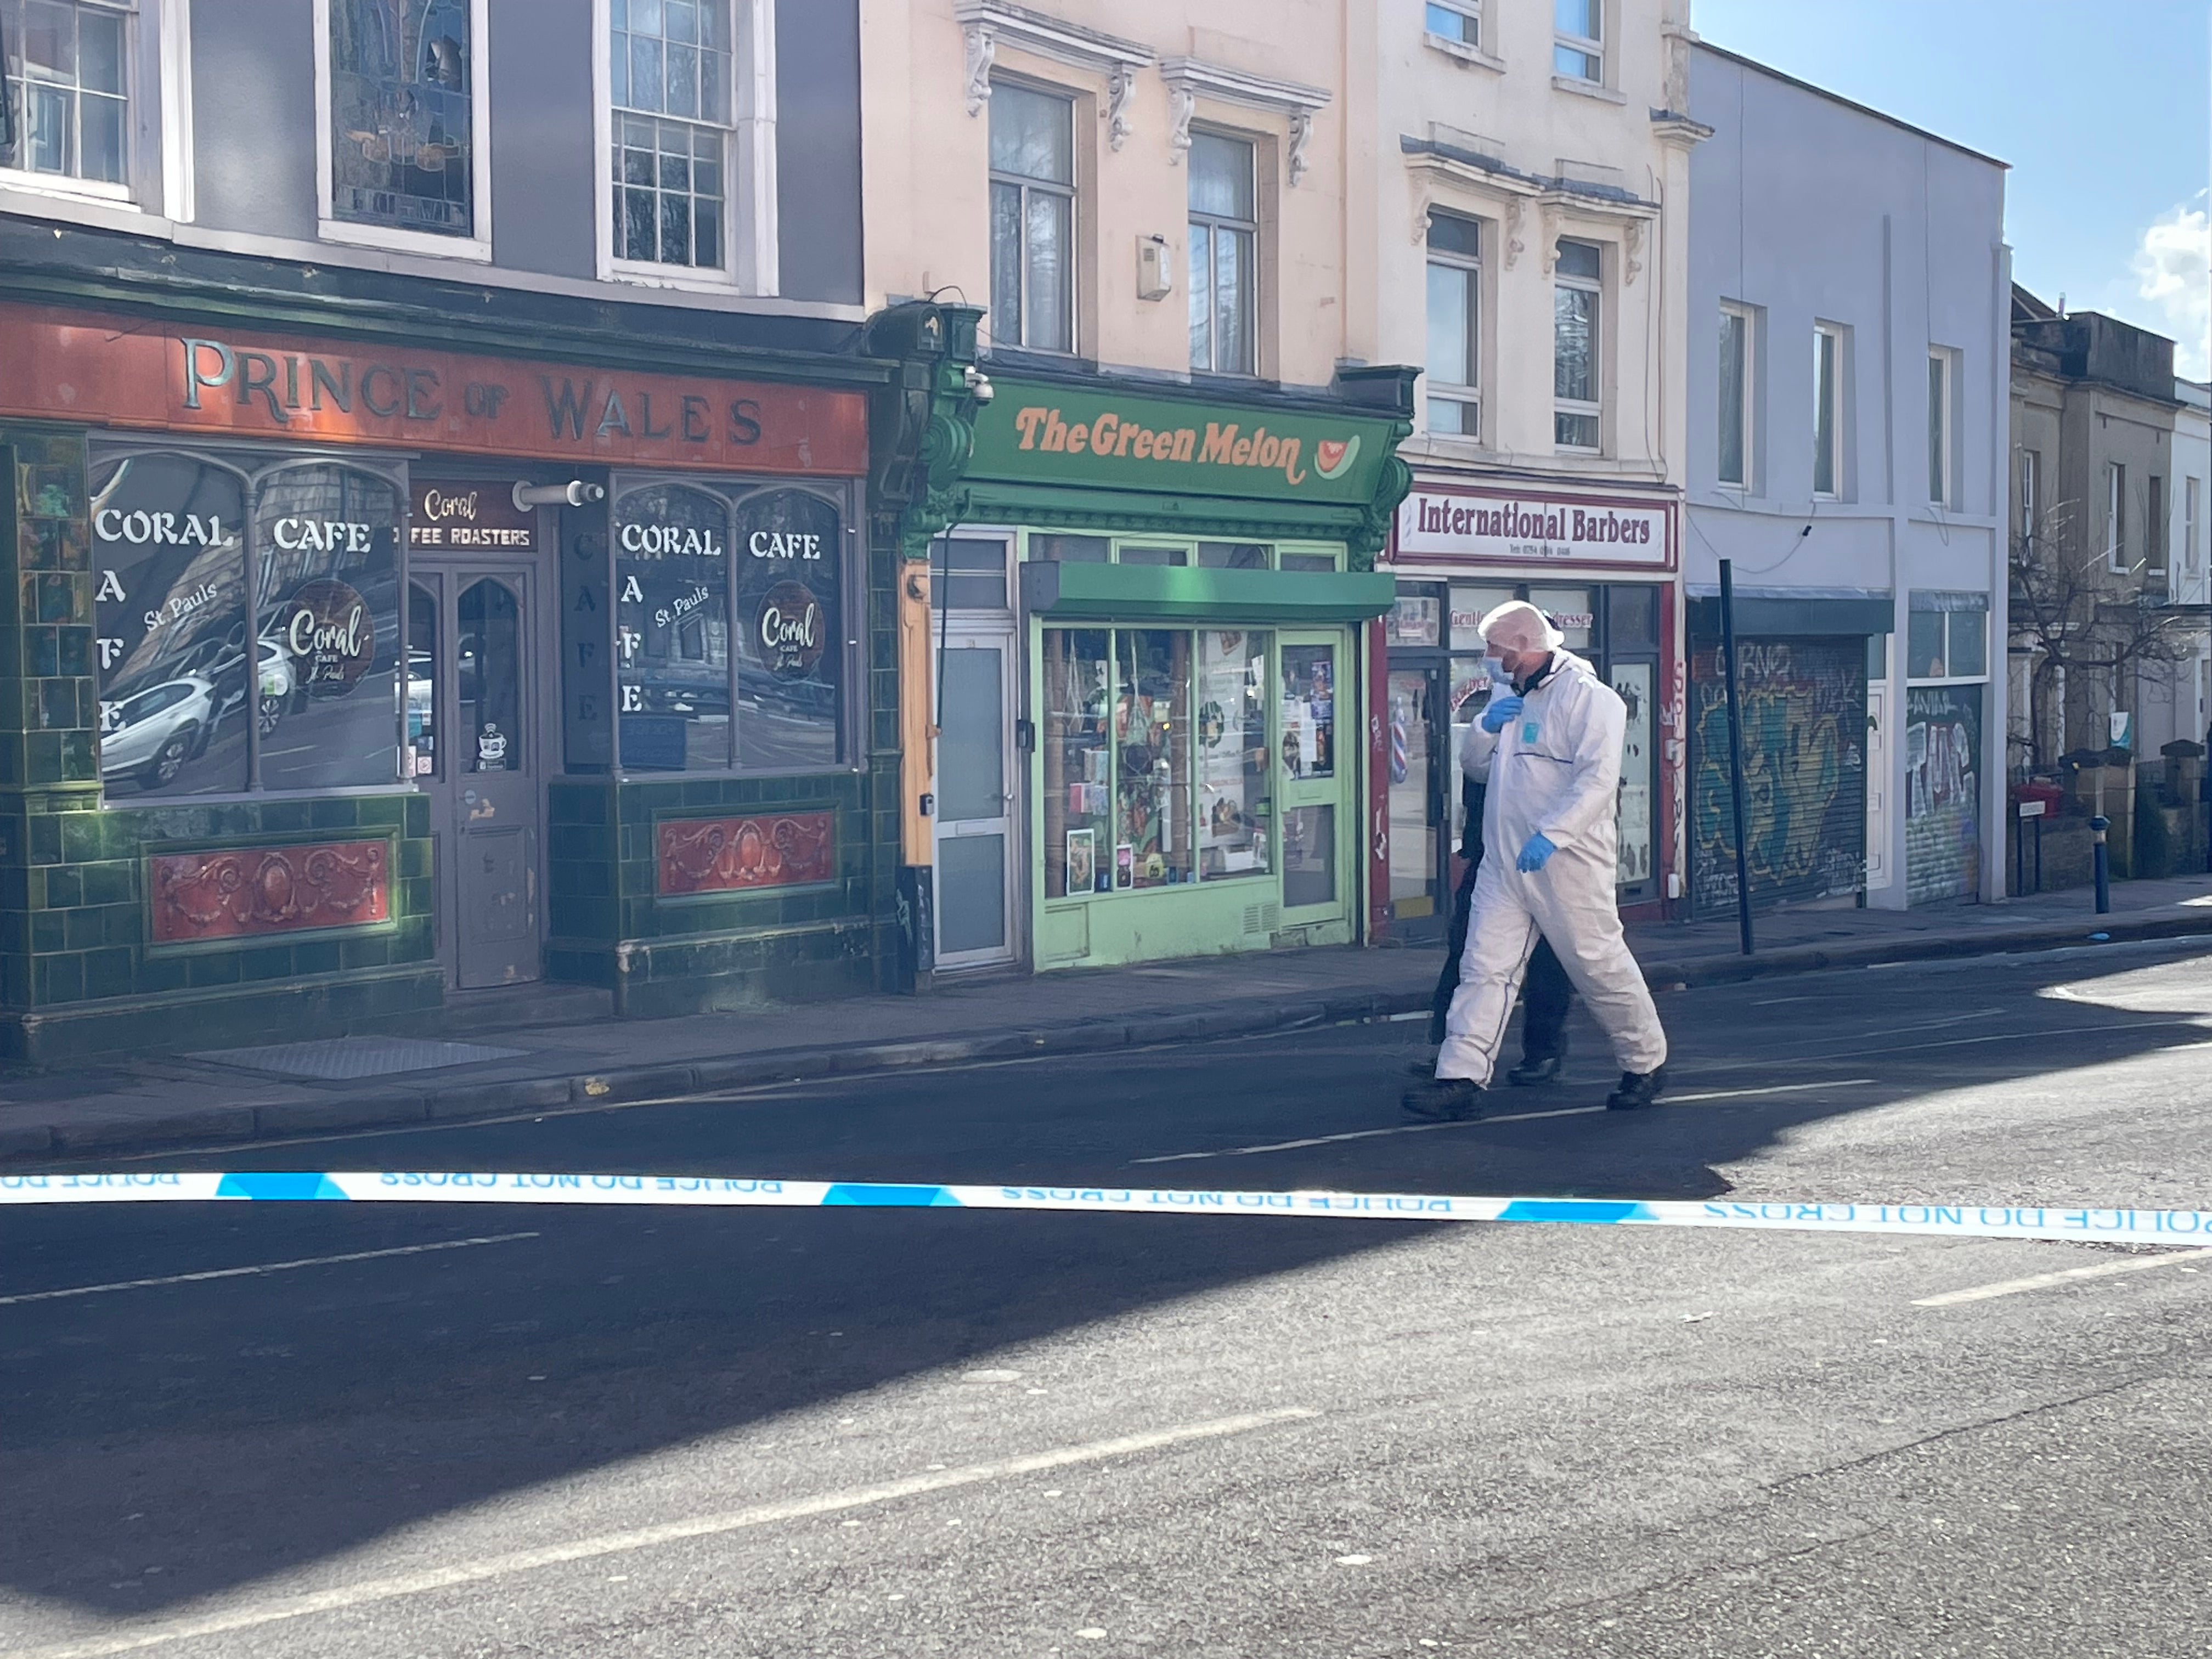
x=1470 y=9
x=1594 y=408
x=2116 y=518
x=1453 y=392
x=1947 y=678
x=1256 y=229
x=1943 y=426
x=153 y=35
x=1747 y=317
x=2030 y=500
x=1588 y=46
x=1829 y=400
x=751 y=261
x=1073 y=192
x=476 y=246
x=2192 y=493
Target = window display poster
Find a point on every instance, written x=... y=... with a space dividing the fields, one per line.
x=1082 y=860
x=1308 y=711
x=1634 y=682
x=1232 y=736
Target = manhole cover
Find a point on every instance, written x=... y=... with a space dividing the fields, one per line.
x=340 y=1059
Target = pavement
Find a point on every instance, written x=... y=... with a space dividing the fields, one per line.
x=530 y=1432
x=88 y=1112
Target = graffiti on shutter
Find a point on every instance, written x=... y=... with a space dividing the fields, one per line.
x=1942 y=793
x=1804 y=771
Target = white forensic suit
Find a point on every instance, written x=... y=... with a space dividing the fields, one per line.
x=1554 y=770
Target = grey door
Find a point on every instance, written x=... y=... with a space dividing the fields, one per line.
x=975 y=863
x=470 y=703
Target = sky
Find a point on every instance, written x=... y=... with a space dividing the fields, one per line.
x=2102 y=107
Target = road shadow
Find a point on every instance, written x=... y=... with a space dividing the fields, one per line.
x=169 y=1443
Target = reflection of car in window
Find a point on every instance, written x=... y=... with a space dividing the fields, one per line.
x=149 y=737
x=421 y=694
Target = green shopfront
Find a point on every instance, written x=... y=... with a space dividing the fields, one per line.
x=1152 y=690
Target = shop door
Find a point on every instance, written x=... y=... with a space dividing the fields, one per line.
x=1419 y=811
x=470 y=702
x=975 y=796
x=1315 y=774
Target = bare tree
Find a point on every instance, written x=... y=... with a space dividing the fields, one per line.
x=2081 y=624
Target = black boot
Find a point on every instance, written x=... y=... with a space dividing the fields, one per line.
x=1424 y=1068
x=1444 y=1100
x=1535 y=1070
x=1638 y=1089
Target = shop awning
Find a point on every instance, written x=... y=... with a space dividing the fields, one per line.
x=1127 y=592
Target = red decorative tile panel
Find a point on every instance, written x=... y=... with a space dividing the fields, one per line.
x=729 y=855
x=248 y=892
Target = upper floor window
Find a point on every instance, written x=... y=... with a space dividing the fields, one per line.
x=669 y=76
x=2154 y=525
x=1578 y=39
x=1032 y=219
x=1828 y=411
x=1459 y=22
x=1577 y=291
x=2193 y=551
x=67 y=90
x=1455 y=404
x=1734 y=469
x=2116 y=517
x=399 y=86
x=2030 y=502
x=1941 y=391
x=1224 y=234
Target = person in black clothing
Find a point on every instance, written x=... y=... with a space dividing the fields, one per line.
x=1546 y=993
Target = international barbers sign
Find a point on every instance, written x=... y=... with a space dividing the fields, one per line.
x=1489 y=526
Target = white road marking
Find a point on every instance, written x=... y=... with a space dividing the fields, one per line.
x=2134 y=1264
x=1480 y=1122
x=134 y=1636
x=263 y=1268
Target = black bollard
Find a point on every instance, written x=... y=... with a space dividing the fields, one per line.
x=2098 y=826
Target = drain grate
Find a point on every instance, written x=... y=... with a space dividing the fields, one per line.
x=341 y=1060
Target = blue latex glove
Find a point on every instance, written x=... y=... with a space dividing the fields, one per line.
x=1537 y=854
x=1501 y=710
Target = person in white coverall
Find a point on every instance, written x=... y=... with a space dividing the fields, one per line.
x=1549 y=748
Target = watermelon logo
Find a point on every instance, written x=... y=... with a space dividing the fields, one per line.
x=1333 y=457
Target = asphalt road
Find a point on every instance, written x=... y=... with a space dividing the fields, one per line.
x=544 y=1432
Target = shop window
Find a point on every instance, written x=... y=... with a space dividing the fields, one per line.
x=1948 y=637
x=1071 y=550
x=1032 y=219
x=1235 y=800
x=1079 y=761
x=1225 y=231
x=1415 y=621
x=1235 y=556
x=402 y=84
x=1310 y=562
x=791 y=616
x=326 y=548
x=67 y=91
x=1576 y=294
x=1309 y=856
x=490 y=670
x=672 y=629
x=1828 y=369
x=1571 y=611
x=173 y=635
x=1155 y=555
x=221 y=670
x=422 y=658
x=1151 y=733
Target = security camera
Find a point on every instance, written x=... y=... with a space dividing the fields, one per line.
x=978 y=384
x=575 y=493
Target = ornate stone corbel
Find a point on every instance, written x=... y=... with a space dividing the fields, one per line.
x=1631 y=245
x=1515 y=247
x=1551 y=224
x=1120 y=93
x=983 y=52
x=1182 y=104
x=1422 y=208
x=1302 y=122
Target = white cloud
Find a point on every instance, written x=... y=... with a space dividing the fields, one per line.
x=2173 y=266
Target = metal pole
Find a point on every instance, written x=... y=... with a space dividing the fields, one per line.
x=1735 y=750
x=2098 y=826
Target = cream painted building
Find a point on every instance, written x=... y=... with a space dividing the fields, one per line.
x=1525 y=238
x=1155 y=619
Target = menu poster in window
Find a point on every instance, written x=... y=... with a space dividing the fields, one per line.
x=169 y=569
x=326 y=542
x=789 y=549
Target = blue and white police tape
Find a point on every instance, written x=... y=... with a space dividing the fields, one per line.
x=402 y=1187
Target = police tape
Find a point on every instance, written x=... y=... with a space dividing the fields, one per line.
x=405 y=1187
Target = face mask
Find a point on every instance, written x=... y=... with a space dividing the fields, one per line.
x=1497 y=670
